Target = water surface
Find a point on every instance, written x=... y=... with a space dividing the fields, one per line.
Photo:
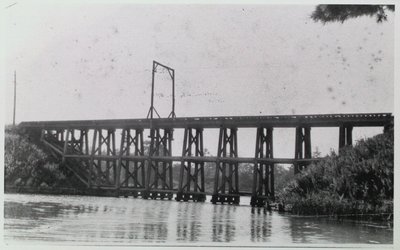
x=108 y=221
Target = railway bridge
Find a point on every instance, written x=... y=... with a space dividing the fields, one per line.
x=111 y=154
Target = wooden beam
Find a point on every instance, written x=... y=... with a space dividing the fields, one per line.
x=52 y=147
x=314 y=120
x=199 y=159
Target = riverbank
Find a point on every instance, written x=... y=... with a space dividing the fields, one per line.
x=358 y=181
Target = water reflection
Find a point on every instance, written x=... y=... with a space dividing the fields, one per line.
x=188 y=226
x=100 y=220
x=223 y=223
x=156 y=228
x=260 y=225
x=31 y=210
x=304 y=230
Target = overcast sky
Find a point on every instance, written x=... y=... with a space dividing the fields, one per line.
x=94 y=61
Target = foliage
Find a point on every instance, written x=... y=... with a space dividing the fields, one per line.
x=245 y=177
x=20 y=157
x=26 y=164
x=341 y=13
x=359 y=175
x=283 y=176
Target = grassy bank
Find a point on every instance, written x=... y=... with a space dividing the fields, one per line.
x=356 y=182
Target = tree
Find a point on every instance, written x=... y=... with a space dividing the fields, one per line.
x=340 y=13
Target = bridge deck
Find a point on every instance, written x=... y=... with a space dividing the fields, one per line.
x=314 y=120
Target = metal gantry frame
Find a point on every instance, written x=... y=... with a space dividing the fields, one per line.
x=171 y=73
x=159 y=183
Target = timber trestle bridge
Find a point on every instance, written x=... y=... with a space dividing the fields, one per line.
x=113 y=154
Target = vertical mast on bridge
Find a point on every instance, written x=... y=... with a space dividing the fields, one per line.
x=159 y=183
x=171 y=73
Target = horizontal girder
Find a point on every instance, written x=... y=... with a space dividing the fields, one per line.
x=315 y=120
x=200 y=159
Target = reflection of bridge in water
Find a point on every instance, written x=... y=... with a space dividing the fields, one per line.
x=106 y=162
x=85 y=220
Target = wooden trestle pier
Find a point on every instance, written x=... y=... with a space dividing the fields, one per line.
x=89 y=149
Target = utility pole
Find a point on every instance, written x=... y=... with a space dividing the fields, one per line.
x=15 y=95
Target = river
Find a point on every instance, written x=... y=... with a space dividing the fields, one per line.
x=84 y=220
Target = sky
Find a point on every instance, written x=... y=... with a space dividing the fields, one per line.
x=93 y=61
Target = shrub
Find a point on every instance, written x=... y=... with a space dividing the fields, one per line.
x=25 y=163
x=359 y=179
x=21 y=158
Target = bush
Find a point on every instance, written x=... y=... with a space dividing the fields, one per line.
x=21 y=158
x=26 y=164
x=358 y=180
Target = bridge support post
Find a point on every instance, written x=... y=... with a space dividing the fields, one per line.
x=226 y=181
x=98 y=171
x=159 y=182
x=111 y=164
x=65 y=147
x=103 y=144
x=79 y=145
x=345 y=136
x=133 y=177
x=263 y=173
x=60 y=135
x=302 y=148
x=82 y=147
x=388 y=127
x=192 y=173
x=92 y=164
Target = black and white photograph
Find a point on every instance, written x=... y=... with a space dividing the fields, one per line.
x=198 y=124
